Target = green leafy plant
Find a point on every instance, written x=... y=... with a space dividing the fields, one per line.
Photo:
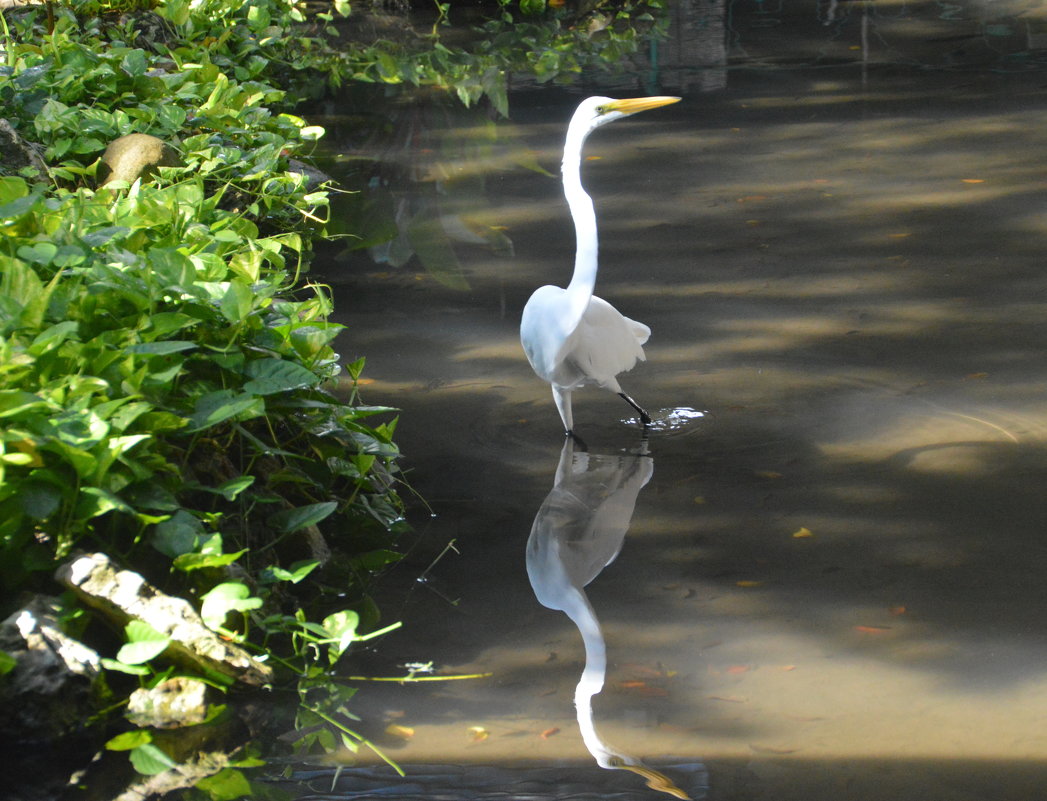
x=169 y=393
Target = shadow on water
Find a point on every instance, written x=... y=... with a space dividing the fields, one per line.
x=833 y=583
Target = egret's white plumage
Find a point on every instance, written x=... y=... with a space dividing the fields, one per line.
x=571 y=337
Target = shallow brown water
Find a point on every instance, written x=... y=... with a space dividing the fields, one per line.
x=832 y=585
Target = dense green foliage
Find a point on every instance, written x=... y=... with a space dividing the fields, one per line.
x=166 y=373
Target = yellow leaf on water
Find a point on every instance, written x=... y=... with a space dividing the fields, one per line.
x=802 y=532
x=767 y=474
x=973 y=180
x=478 y=734
x=745 y=583
x=396 y=730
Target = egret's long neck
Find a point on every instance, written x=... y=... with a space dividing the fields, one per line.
x=584 y=215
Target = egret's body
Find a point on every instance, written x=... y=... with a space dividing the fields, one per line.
x=571 y=337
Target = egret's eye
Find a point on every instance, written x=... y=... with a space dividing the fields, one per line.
x=601 y=110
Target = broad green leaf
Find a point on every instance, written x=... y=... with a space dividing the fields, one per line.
x=150 y=760
x=290 y=520
x=294 y=574
x=11 y=189
x=129 y=739
x=39 y=253
x=181 y=534
x=177 y=11
x=196 y=561
x=269 y=376
x=95 y=502
x=120 y=667
x=134 y=63
x=81 y=429
x=13 y=401
x=82 y=462
x=231 y=596
x=144 y=643
x=217 y=407
x=54 y=335
x=237 y=302
x=342 y=628
x=7 y=663
x=226 y=785
x=234 y=486
x=165 y=323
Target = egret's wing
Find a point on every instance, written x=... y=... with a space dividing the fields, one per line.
x=606 y=343
x=544 y=329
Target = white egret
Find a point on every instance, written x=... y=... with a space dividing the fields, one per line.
x=571 y=337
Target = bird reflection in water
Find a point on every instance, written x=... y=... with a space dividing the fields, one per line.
x=577 y=532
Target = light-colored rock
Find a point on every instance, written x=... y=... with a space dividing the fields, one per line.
x=176 y=702
x=122 y=595
x=133 y=156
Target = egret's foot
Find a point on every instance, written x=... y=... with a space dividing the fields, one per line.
x=644 y=417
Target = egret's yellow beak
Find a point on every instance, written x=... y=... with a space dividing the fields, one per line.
x=633 y=105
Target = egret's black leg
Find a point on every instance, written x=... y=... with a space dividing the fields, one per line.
x=644 y=417
x=578 y=441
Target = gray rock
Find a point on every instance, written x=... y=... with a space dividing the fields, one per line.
x=314 y=177
x=16 y=153
x=57 y=683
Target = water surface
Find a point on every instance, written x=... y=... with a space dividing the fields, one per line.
x=830 y=581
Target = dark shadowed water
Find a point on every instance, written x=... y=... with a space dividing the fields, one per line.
x=832 y=577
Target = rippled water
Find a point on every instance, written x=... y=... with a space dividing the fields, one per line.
x=827 y=560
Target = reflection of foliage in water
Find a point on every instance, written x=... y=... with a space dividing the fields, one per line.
x=415 y=194
x=417 y=184
x=551 y=42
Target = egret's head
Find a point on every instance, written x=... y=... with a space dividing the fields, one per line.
x=596 y=111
